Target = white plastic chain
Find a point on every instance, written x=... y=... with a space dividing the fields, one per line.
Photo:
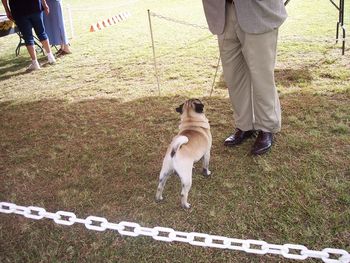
x=291 y=251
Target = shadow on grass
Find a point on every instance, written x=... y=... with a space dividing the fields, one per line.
x=291 y=77
x=284 y=77
x=68 y=138
x=103 y=157
x=14 y=66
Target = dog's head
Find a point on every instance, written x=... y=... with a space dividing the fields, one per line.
x=191 y=106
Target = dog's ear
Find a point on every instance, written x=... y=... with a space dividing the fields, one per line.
x=198 y=107
x=179 y=109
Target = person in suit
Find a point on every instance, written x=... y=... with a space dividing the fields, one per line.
x=247 y=36
x=28 y=14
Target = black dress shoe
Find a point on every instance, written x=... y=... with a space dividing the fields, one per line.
x=262 y=143
x=238 y=137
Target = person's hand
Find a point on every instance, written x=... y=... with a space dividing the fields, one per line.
x=46 y=9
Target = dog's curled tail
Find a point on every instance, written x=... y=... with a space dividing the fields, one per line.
x=180 y=140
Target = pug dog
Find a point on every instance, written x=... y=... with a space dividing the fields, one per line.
x=192 y=143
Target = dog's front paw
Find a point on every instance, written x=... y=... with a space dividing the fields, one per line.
x=206 y=172
x=186 y=206
x=159 y=198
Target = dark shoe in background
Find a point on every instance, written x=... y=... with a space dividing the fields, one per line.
x=262 y=143
x=238 y=137
x=62 y=52
x=58 y=52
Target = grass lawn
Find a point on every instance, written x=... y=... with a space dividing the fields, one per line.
x=88 y=134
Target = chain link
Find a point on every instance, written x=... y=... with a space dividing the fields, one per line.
x=258 y=243
x=229 y=242
x=275 y=249
x=291 y=251
x=216 y=241
x=128 y=225
x=160 y=236
x=21 y=210
x=201 y=238
x=34 y=212
x=60 y=215
x=299 y=256
x=343 y=256
x=179 y=236
x=100 y=226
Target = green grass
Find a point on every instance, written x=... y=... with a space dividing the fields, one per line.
x=88 y=134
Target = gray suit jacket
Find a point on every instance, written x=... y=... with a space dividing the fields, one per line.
x=254 y=16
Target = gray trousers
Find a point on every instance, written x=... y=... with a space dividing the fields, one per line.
x=248 y=62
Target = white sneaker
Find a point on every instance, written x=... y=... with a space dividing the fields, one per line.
x=51 y=58
x=34 y=66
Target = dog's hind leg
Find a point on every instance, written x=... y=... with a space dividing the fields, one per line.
x=186 y=184
x=206 y=159
x=163 y=177
x=185 y=174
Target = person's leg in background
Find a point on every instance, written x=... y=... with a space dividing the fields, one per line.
x=248 y=62
x=38 y=25
x=55 y=28
x=260 y=53
x=237 y=79
x=25 y=27
x=65 y=46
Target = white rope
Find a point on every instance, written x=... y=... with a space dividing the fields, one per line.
x=282 y=38
x=311 y=39
x=291 y=251
x=178 y=21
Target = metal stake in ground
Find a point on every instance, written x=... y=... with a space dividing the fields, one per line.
x=216 y=73
x=154 y=52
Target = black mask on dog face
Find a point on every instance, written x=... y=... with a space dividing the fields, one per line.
x=198 y=106
x=179 y=109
